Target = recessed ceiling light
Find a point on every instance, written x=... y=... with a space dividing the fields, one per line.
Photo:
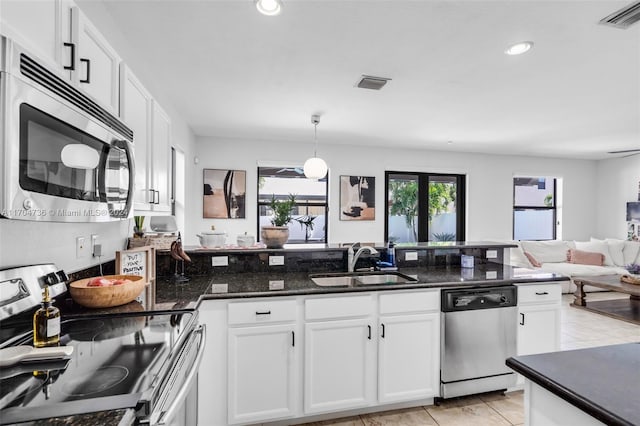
x=269 y=7
x=519 y=48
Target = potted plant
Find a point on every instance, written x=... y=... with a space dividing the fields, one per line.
x=138 y=225
x=275 y=236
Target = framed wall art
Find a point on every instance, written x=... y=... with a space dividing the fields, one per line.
x=357 y=198
x=224 y=194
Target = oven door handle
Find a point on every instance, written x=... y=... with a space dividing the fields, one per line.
x=182 y=393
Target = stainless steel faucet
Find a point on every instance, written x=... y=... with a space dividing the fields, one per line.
x=353 y=258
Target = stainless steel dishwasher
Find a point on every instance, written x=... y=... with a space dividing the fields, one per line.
x=478 y=334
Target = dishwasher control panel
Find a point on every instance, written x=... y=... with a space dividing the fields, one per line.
x=478 y=298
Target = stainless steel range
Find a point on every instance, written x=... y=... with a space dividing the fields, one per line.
x=146 y=361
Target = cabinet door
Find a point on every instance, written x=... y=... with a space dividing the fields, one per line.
x=339 y=365
x=408 y=357
x=262 y=366
x=538 y=329
x=41 y=26
x=136 y=106
x=161 y=168
x=97 y=64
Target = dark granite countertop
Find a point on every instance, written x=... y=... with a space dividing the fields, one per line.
x=102 y=418
x=604 y=381
x=264 y=284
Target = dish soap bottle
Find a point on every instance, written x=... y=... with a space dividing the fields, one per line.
x=46 y=323
x=391 y=253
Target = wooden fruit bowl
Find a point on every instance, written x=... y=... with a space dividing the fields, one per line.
x=106 y=297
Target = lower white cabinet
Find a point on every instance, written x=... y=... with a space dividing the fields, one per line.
x=538 y=319
x=408 y=357
x=262 y=369
x=339 y=365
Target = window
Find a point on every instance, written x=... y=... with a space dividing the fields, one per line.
x=309 y=224
x=424 y=207
x=534 y=208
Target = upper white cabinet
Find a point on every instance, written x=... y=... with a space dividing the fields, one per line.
x=96 y=63
x=58 y=33
x=151 y=142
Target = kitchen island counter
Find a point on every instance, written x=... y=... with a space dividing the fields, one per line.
x=602 y=382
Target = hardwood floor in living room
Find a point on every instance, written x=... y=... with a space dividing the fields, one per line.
x=579 y=329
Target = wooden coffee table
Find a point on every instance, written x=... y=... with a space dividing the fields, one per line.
x=624 y=309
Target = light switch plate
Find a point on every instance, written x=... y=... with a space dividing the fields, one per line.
x=276 y=260
x=220 y=261
x=492 y=254
x=81 y=248
x=410 y=255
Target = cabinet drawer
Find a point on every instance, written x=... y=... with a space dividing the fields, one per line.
x=264 y=311
x=539 y=293
x=338 y=307
x=414 y=301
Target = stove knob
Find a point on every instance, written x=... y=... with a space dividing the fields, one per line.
x=62 y=276
x=51 y=278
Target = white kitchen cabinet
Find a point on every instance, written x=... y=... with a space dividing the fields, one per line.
x=339 y=365
x=538 y=319
x=262 y=373
x=97 y=64
x=409 y=346
x=41 y=26
x=151 y=143
x=408 y=357
x=60 y=35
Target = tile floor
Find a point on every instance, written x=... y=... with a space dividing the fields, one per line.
x=579 y=329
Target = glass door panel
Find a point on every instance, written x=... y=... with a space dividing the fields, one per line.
x=442 y=208
x=402 y=215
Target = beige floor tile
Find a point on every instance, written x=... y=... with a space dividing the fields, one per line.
x=510 y=405
x=476 y=414
x=345 y=421
x=409 y=417
x=459 y=402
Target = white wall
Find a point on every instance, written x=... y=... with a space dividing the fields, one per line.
x=617 y=184
x=24 y=242
x=489 y=185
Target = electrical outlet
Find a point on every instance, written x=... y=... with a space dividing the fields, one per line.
x=276 y=260
x=220 y=261
x=81 y=248
x=276 y=284
x=94 y=242
x=492 y=275
x=492 y=254
x=410 y=255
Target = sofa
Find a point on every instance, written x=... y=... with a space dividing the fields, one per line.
x=576 y=258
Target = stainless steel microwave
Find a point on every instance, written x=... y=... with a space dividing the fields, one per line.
x=64 y=157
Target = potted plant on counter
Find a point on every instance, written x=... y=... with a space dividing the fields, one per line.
x=277 y=235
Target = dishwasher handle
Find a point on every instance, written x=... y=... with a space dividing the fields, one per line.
x=182 y=393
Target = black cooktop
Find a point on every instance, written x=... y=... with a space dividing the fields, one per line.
x=117 y=362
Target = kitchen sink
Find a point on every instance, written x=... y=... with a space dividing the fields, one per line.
x=351 y=279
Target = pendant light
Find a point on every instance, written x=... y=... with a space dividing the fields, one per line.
x=314 y=167
x=269 y=7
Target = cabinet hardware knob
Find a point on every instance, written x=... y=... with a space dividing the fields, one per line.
x=73 y=56
x=88 y=78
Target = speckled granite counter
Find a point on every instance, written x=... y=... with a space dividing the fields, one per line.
x=604 y=382
x=264 y=284
x=102 y=418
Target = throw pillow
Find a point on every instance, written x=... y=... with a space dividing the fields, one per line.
x=631 y=252
x=616 y=248
x=585 y=257
x=546 y=251
x=532 y=260
x=598 y=247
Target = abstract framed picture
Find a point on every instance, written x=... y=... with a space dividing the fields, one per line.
x=224 y=194
x=357 y=198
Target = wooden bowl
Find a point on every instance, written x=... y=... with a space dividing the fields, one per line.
x=106 y=297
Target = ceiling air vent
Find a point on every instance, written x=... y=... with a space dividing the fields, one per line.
x=370 y=82
x=624 y=17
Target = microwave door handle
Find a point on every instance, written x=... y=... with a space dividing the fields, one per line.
x=186 y=385
x=126 y=146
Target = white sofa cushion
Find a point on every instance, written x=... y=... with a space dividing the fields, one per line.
x=547 y=251
x=631 y=252
x=616 y=249
x=573 y=269
x=597 y=247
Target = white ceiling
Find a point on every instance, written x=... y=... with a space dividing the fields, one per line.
x=233 y=73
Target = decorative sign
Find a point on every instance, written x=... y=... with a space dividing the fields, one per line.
x=139 y=261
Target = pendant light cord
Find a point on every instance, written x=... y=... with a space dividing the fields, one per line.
x=315 y=138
